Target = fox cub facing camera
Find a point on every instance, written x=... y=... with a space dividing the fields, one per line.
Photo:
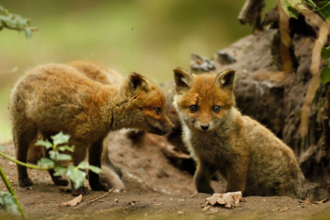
x=55 y=97
x=246 y=154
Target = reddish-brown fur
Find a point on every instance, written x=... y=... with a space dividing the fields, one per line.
x=54 y=98
x=97 y=72
x=246 y=154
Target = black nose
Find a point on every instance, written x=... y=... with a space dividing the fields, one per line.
x=205 y=127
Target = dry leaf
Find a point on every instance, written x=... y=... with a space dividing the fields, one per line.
x=74 y=201
x=228 y=199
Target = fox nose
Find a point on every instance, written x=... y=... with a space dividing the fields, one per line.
x=204 y=127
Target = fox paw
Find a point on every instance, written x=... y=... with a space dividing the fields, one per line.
x=60 y=181
x=25 y=182
x=81 y=190
x=100 y=187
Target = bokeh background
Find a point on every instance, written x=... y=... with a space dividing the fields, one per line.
x=150 y=37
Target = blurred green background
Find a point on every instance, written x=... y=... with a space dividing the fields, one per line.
x=150 y=37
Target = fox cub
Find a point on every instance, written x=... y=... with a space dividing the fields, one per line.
x=57 y=97
x=97 y=72
x=246 y=154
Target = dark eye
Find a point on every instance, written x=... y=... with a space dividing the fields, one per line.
x=193 y=108
x=216 y=108
x=158 y=111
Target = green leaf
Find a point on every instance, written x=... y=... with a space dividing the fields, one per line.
x=325 y=75
x=325 y=53
x=2 y=8
x=56 y=156
x=83 y=165
x=46 y=162
x=28 y=32
x=76 y=175
x=2 y=149
x=46 y=143
x=60 y=170
x=60 y=138
x=8 y=200
x=66 y=147
x=288 y=7
x=293 y=12
x=325 y=9
x=95 y=169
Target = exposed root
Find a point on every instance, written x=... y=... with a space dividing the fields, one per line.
x=316 y=80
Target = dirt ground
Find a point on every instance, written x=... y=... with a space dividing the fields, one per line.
x=155 y=189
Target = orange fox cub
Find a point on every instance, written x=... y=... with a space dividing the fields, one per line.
x=55 y=97
x=92 y=70
x=97 y=72
x=246 y=154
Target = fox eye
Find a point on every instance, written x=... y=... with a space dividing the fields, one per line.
x=193 y=108
x=158 y=111
x=216 y=108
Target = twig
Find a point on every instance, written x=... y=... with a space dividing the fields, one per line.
x=315 y=82
x=25 y=164
x=110 y=191
x=10 y=189
x=19 y=28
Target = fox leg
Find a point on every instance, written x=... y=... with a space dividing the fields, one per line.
x=24 y=135
x=95 y=153
x=58 y=180
x=203 y=176
x=236 y=177
x=77 y=157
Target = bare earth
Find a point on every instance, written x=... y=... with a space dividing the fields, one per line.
x=155 y=189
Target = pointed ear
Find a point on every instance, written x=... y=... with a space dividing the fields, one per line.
x=137 y=81
x=225 y=79
x=183 y=79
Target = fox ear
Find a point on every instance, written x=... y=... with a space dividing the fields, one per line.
x=225 y=79
x=137 y=81
x=183 y=79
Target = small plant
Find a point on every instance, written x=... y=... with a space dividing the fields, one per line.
x=15 y=22
x=325 y=72
x=56 y=150
x=57 y=155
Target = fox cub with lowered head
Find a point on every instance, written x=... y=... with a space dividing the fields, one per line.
x=57 y=97
x=246 y=154
x=100 y=73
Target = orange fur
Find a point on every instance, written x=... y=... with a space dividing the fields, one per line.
x=246 y=154
x=54 y=98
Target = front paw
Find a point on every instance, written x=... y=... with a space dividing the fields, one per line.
x=25 y=182
x=81 y=190
x=100 y=187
